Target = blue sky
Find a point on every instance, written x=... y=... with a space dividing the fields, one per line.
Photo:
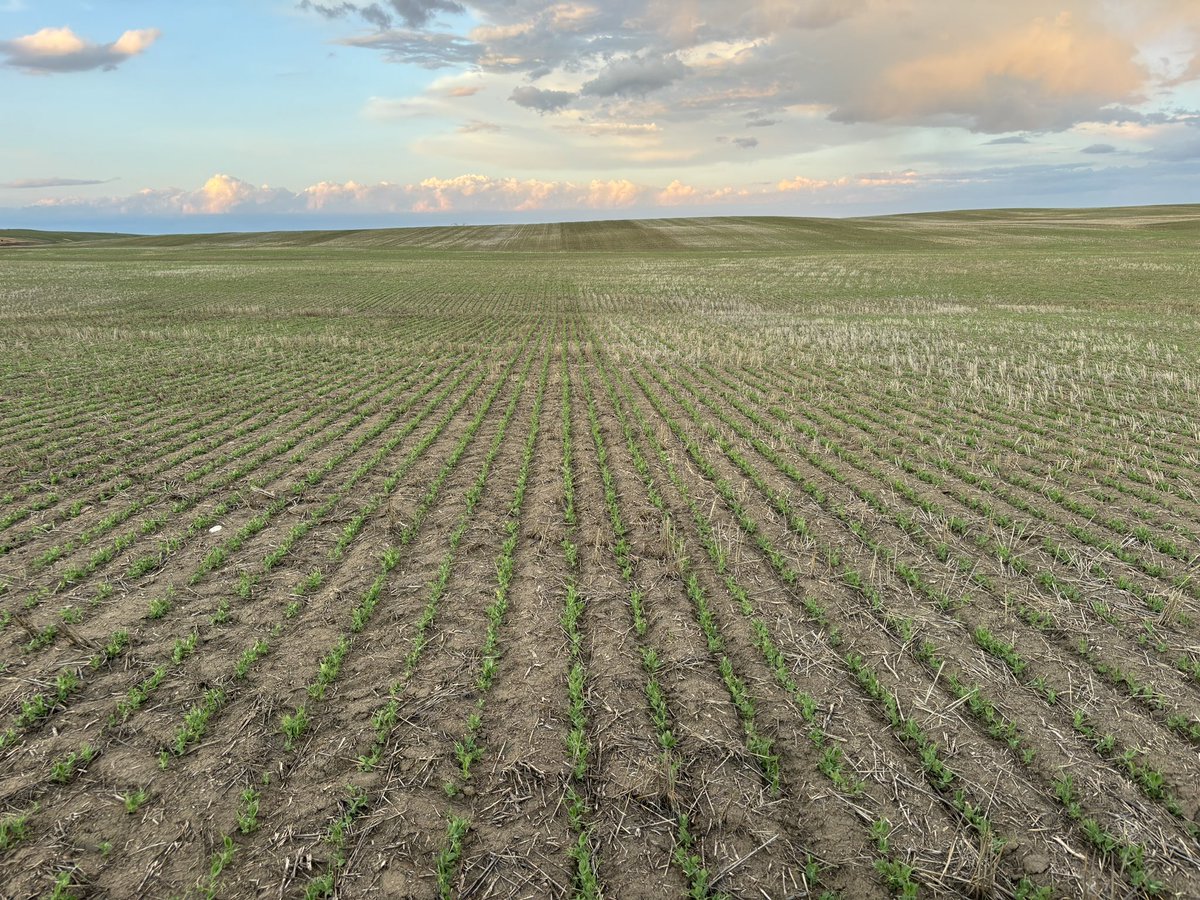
x=151 y=115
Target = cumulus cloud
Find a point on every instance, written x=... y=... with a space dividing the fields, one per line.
x=1099 y=149
x=226 y=195
x=676 y=193
x=223 y=193
x=225 y=202
x=543 y=101
x=472 y=192
x=57 y=50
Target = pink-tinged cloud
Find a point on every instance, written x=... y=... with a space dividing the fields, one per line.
x=223 y=195
x=612 y=194
x=872 y=179
x=58 y=50
x=801 y=183
x=676 y=193
x=887 y=179
x=1044 y=76
x=679 y=194
x=470 y=192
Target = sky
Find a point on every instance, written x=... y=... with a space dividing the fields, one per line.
x=154 y=115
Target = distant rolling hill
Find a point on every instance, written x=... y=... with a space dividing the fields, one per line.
x=26 y=237
x=1011 y=227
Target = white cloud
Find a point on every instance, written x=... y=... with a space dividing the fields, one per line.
x=57 y=50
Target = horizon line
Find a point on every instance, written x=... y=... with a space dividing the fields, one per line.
x=573 y=221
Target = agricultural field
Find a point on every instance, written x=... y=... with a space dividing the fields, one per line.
x=678 y=558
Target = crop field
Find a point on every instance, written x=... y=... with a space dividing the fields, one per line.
x=712 y=558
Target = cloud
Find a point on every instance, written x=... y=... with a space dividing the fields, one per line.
x=635 y=77
x=228 y=203
x=1177 y=151
x=612 y=194
x=223 y=193
x=1019 y=66
x=386 y=109
x=1190 y=73
x=801 y=183
x=639 y=90
x=57 y=50
x=1099 y=149
x=430 y=50
x=870 y=180
x=621 y=130
x=543 y=101
x=1047 y=75
x=36 y=183
x=481 y=192
x=676 y=193
x=413 y=13
x=477 y=126
x=887 y=179
x=526 y=35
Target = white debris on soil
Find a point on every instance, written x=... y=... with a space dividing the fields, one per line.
x=214 y=529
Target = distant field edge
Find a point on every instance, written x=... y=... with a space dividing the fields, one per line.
x=1172 y=224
